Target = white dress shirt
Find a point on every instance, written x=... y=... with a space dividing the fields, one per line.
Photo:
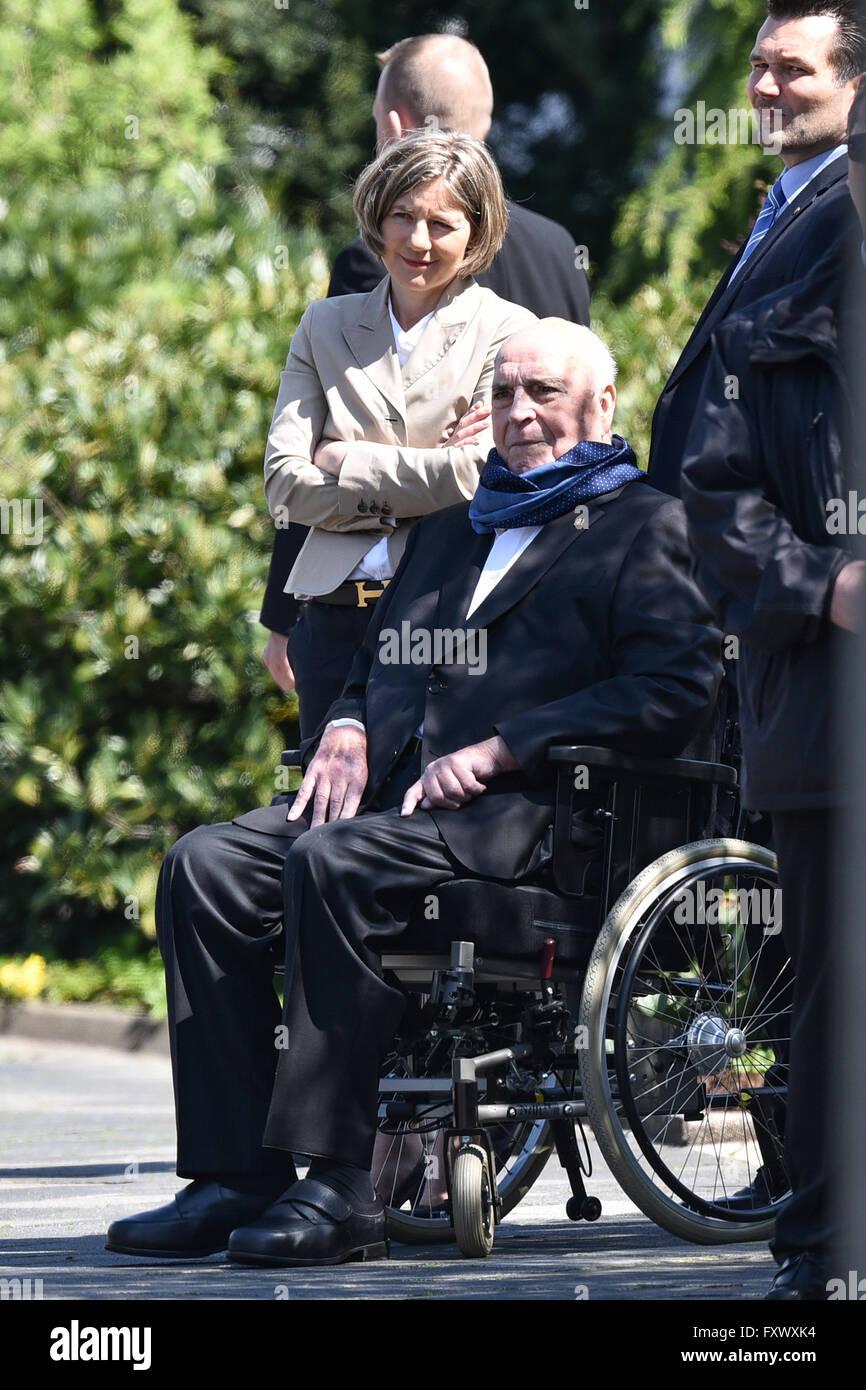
x=376 y=564
x=504 y=552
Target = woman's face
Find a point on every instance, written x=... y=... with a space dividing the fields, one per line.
x=425 y=235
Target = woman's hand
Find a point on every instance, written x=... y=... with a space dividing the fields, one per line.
x=275 y=657
x=329 y=456
x=469 y=427
x=330 y=453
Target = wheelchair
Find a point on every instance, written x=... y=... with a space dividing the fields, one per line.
x=638 y=984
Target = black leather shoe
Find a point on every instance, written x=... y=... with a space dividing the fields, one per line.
x=799 y=1278
x=311 y=1224
x=750 y=1198
x=197 y=1221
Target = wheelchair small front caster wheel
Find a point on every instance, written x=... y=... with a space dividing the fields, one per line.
x=583 y=1209
x=472 y=1203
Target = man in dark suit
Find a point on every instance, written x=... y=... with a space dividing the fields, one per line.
x=557 y=607
x=767 y=483
x=804 y=66
x=441 y=79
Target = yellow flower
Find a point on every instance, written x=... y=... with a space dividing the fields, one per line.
x=23 y=979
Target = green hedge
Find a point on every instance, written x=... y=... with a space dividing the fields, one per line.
x=145 y=313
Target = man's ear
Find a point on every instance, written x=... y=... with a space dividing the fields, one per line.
x=393 y=129
x=608 y=403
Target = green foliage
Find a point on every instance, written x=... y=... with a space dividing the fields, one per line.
x=145 y=313
x=295 y=92
x=113 y=976
x=646 y=335
x=698 y=200
x=123 y=974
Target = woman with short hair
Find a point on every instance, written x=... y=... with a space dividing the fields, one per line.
x=383 y=410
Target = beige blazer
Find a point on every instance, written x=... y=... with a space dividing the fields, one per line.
x=343 y=381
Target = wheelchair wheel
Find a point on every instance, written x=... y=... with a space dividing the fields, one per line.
x=409 y=1158
x=686 y=1007
x=472 y=1203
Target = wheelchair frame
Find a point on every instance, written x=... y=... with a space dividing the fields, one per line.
x=498 y=1112
x=650 y=811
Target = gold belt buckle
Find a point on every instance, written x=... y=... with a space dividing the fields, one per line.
x=366 y=595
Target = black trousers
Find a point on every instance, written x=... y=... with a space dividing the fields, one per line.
x=251 y=1087
x=322 y=645
x=804 y=844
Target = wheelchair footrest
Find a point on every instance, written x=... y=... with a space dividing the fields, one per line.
x=531 y=1110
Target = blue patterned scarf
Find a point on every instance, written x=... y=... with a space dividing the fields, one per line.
x=504 y=499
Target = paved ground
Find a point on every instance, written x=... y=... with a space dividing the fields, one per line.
x=87 y=1134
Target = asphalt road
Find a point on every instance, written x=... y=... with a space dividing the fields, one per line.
x=87 y=1135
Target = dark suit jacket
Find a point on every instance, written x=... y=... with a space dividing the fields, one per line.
x=595 y=635
x=535 y=268
x=757 y=479
x=821 y=220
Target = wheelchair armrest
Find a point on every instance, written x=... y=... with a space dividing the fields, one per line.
x=627 y=764
x=291 y=757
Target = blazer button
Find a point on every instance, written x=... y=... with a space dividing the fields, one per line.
x=436 y=685
x=362 y=507
x=374 y=506
x=386 y=509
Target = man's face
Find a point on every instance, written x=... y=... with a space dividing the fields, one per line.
x=794 y=88
x=543 y=404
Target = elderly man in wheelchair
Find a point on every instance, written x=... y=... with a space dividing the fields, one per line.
x=469 y=967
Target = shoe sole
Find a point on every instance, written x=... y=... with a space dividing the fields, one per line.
x=165 y=1254
x=362 y=1252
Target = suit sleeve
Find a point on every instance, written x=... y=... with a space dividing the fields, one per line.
x=413 y=482
x=765 y=582
x=294 y=487
x=665 y=658
x=279 y=609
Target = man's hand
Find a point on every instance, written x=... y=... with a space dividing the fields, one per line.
x=849 y=592
x=276 y=659
x=336 y=777
x=329 y=456
x=469 y=427
x=449 y=782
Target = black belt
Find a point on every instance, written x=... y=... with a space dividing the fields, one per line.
x=355 y=593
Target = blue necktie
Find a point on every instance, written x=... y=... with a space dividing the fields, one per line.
x=774 y=204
